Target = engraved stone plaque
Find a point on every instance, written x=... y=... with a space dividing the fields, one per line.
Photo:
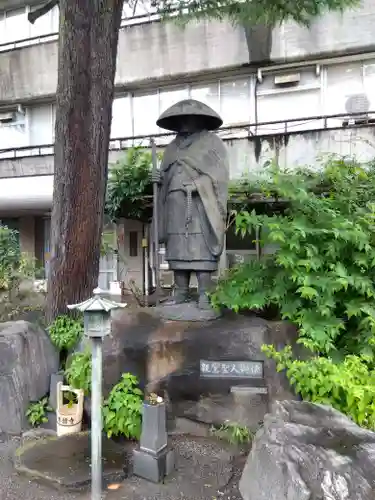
x=231 y=369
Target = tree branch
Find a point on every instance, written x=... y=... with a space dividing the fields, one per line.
x=37 y=13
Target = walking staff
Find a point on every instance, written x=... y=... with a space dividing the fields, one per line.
x=155 y=185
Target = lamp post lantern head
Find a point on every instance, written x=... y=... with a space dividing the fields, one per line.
x=96 y=314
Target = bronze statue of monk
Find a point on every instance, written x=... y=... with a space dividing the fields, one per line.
x=193 y=194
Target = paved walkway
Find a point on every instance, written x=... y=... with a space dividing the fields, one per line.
x=202 y=474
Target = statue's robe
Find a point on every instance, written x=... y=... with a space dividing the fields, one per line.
x=192 y=207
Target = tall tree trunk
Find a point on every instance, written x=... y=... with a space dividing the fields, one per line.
x=88 y=40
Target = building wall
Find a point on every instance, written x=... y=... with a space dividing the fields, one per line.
x=244 y=101
x=156 y=51
x=226 y=66
x=248 y=154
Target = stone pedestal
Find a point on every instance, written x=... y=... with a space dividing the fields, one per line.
x=166 y=356
x=154 y=436
x=153 y=461
x=153 y=467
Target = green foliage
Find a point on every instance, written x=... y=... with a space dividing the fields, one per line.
x=65 y=332
x=70 y=398
x=253 y=12
x=15 y=269
x=233 y=432
x=348 y=386
x=322 y=275
x=129 y=190
x=14 y=266
x=10 y=257
x=122 y=411
x=78 y=371
x=36 y=412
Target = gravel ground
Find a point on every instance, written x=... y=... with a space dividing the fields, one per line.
x=15 y=487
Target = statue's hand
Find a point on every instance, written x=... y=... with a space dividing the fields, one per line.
x=156 y=177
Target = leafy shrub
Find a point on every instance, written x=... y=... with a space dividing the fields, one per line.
x=128 y=182
x=36 y=412
x=322 y=274
x=15 y=269
x=65 y=332
x=122 y=411
x=78 y=371
x=348 y=386
x=10 y=257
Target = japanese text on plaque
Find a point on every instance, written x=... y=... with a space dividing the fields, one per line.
x=245 y=369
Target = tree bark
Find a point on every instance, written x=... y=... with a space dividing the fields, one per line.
x=88 y=40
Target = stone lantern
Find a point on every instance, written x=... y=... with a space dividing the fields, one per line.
x=97 y=325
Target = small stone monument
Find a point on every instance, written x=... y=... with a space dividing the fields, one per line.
x=191 y=205
x=154 y=460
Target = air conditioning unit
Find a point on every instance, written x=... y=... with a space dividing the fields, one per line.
x=357 y=107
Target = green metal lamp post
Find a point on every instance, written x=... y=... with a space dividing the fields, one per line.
x=97 y=325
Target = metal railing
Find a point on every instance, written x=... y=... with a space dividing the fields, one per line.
x=250 y=130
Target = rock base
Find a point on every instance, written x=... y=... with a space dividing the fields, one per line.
x=153 y=467
x=166 y=357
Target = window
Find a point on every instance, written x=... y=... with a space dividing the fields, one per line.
x=46 y=24
x=343 y=80
x=145 y=113
x=137 y=8
x=41 y=124
x=133 y=243
x=288 y=106
x=121 y=118
x=13 y=134
x=15 y=25
x=207 y=93
x=171 y=96
x=276 y=103
x=235 y=104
